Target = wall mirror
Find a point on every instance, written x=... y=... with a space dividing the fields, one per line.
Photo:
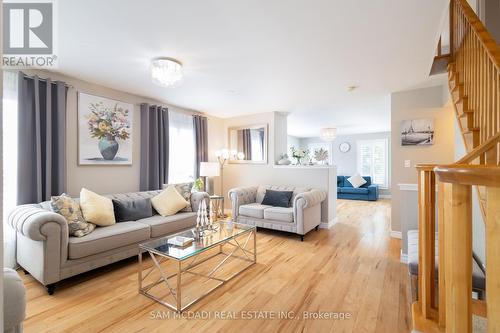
x=248 y=144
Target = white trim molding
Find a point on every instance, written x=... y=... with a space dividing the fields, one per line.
x=404 y=257
x=384 y=196
x=396 y=234
x=324 y=225
x=408 y=187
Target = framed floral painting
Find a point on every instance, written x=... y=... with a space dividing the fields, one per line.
x=104 y=131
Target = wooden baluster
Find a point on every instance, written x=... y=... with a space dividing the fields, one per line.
x=458 y=261
x=442 y=255
x=493 y=258
x=427 y=266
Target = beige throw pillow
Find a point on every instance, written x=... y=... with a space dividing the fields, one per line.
x=169 y=201
x=96 y=208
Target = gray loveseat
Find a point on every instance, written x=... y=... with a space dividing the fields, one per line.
x=45 y=249
x=302 y=217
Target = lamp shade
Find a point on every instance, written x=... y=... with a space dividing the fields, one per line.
x=209 y=169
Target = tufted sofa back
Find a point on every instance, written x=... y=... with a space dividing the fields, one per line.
x=261 y=190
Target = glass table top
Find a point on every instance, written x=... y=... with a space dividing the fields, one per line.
x=224 y=231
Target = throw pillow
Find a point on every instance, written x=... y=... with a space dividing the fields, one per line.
x=132 y=209
x=70 y=210
x=278 y=198
x=169 y=201
x=96 y=208
x=356 y=180
x=184 y=190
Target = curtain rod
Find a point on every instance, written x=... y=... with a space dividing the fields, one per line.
x=45 y=80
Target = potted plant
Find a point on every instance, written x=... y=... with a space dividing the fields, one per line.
x=299 y=154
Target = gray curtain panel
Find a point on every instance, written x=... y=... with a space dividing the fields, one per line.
x=154 y=147
x=42 y=139
x=201 y=141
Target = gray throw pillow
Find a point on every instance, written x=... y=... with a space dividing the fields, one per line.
x=278 y=198
x=132 y=209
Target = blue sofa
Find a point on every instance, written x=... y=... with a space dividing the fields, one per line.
x=345 y=190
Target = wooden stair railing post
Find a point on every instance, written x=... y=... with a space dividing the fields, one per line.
x=458 y=261
x=493 y=258
x=426 y=245
x=442 y=209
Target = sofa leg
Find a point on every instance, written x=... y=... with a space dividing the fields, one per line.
x=317 y=228
x=26 y=272
x=51 y=288
x=301 y=238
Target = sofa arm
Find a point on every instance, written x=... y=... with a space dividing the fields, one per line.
x=31 y=221
x=309 y=199
x=241 y=196
x=14 y=301
x=373 y=192
x=197 y=198
x=307 y=210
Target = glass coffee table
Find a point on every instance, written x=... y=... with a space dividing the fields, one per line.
x=227 y=242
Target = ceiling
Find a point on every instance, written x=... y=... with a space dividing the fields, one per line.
x=242 y=57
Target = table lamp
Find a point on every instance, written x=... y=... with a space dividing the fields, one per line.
x=209 y=169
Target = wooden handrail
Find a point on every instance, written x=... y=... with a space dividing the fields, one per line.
x=466 y=174
x=480 y=150
x=480 y=31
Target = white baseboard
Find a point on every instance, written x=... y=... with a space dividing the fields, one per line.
x=396 y=234
x=384 y=196
x=404 y=257
x=324 y=225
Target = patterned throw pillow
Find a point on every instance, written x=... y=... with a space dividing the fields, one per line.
x=70 y=210
x=184 y=189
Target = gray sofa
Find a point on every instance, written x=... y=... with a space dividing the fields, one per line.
x=44 y=249
x=14 y=302
x=303 y=216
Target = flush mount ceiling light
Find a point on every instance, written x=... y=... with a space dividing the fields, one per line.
x=352 y=88
x=166 y=71
x=328 y=134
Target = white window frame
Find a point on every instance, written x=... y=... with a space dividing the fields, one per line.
x=386 y=169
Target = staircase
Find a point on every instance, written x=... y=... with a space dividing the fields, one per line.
x=474 y=83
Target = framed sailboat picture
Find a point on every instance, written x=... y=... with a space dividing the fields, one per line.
x=417 y=132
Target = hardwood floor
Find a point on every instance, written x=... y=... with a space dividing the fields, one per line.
x=352 y=268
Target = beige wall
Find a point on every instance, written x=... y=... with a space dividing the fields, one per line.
x=420 y=103
x=102 y=179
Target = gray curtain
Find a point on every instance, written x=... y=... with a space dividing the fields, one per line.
x=154 y=147
x=201 y=141
x=247 y=144
x=41 y=138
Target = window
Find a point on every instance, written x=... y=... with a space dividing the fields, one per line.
x=373 y=161
x=181 y=148
x=9 y=133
